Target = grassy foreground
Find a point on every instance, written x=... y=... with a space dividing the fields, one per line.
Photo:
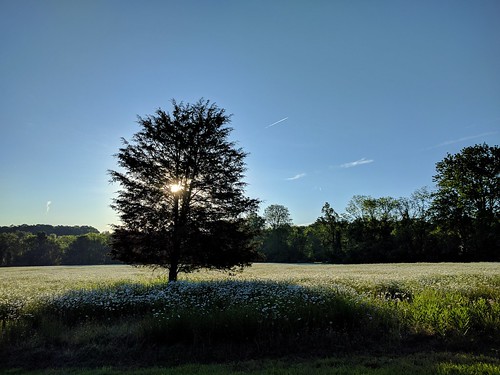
x=274 y=319
x=415 y=364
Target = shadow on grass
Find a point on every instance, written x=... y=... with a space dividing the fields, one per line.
x=132 y=325
x=417 y=363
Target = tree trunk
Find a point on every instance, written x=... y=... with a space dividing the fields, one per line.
x=174 y=257
x=172 y=273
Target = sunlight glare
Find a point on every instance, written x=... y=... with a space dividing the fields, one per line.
x=175 y=188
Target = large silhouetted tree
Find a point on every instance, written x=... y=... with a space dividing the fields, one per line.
x=182 y=201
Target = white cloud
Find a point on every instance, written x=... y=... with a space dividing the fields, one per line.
x=357 y=162
x=48 y=206
x=296 y=177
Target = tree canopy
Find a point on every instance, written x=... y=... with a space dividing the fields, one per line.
x=182 y=201
x=58 y=230
x=458 y=221
x=467 y=202
x=277 y=216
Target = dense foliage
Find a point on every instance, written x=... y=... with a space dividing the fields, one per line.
x=42 y=249
x=58 y=230
x=459 y=221
x=182 y=201
x=466 y=206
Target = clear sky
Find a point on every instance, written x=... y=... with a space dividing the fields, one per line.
x=330 y=98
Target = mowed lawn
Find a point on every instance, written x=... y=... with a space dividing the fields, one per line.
x=447 y=308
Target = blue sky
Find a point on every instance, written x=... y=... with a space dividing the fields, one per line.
x=330 y=98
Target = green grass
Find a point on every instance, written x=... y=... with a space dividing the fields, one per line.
x=108 y=318
x=415 y=364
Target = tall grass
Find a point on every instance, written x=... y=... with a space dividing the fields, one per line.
x=199 y=312
x=139 y=317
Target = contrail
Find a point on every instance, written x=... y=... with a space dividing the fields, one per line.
x=48 y=206
x=277 y=122
x=463 y=139
x=450 y=142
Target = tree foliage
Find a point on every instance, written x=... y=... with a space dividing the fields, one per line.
x=459 y=221
x=91 y=248
x=277 y=216
x=182 y=202
x=28 y=249
x=469 y=182
x=330 y=228
x=58 y=230
x=467 y=202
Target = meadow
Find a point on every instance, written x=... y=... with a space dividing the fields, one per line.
x=271 y=318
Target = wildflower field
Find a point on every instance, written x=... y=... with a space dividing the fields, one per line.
x=121 y=316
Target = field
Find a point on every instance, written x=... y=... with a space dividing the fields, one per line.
x=270 y=318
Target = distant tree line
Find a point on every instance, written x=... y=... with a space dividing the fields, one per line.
x=459 y=221
x=46 y=245
x=376 y=230
x=58 y=230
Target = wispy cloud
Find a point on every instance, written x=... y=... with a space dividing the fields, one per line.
x=48 y=206
x=277 y=122
x=356 y=163
x=463 y=139
x=296 y=177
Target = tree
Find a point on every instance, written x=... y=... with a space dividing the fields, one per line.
x=372 y=221
x=413 y=232
x=41 y=250
x=91 y=248
x=467 y=201
x=182 y=204
x=277 y=216
x=297 y=244
x=11 y=248
x=330 y=222
x=276 y=246
x=59 y=230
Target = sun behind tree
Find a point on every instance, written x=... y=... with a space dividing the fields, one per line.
x=182 y=201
